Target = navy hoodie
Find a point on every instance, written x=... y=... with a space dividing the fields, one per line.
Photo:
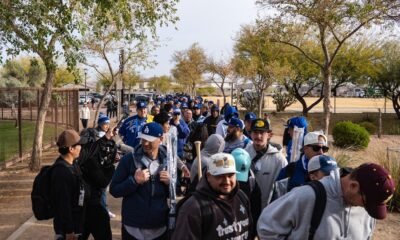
x=145 y=205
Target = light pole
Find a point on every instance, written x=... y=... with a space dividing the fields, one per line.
x=85 y=71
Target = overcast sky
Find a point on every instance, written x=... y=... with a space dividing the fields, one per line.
x=211 y=23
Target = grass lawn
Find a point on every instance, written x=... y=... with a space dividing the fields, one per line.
x=9 y=138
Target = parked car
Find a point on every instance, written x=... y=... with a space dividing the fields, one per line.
x=141 y=98
x=83 y=99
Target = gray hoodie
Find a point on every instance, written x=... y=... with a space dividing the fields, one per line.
x=214 y=144
x=289 y=216
x=266 y=170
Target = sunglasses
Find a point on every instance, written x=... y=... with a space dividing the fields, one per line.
x=317 y=148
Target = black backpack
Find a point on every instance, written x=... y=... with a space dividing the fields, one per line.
x=40 y=196
x=206 y=210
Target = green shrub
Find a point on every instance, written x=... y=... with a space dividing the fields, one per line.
x=349 y=135
x=370 y=127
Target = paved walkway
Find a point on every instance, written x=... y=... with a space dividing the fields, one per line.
x=16 y=217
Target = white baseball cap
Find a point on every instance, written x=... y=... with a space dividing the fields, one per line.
x=221 y=163
x=312 y=138
x=322 y=162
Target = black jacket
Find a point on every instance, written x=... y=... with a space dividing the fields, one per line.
x=232 y=218
x=65 y=190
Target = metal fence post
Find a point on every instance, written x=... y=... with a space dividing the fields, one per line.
x=20 y=122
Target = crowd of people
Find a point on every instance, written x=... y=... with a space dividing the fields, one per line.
x=240 y=185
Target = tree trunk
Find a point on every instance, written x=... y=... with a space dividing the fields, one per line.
x=327 y=97
x=396 y=105
x=36 y=156
x=96 y=114
x=260 y=103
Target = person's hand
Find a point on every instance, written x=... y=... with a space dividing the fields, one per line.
x=164 y=177
x=142 y=176
x=186 y=172
x=176 y=119
x=70 y=236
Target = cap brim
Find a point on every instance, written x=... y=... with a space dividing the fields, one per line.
x=83 y=140
x=147 y=137
x=222 y=172
x=260 y=129
x=377 y=211
x=242 y=177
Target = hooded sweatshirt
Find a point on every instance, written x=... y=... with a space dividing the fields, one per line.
x=289 y=217
x=214 y=144
x=266 y=170
x=231 y=218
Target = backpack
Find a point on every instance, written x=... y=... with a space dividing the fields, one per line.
x=319 y=206
x=206 y=210
x=41 y=193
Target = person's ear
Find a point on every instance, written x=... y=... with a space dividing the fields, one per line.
x=161 y=138
x=354 y=186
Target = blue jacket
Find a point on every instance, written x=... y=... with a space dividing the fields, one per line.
x=300 y=173
x=145 y=205
x=130 y=130
x=183 y=132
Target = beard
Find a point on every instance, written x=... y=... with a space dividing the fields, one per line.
x=230 y=137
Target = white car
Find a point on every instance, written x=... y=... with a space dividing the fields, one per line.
x=83 y=99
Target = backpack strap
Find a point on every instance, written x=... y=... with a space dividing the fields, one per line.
x=319 y=206
x=205 y=210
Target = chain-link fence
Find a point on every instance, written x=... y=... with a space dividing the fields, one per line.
x=18 y=114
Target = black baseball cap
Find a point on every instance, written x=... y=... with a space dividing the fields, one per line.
x=260 y=124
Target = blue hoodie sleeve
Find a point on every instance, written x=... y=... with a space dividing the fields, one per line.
x=183 y=129
x=123 y=182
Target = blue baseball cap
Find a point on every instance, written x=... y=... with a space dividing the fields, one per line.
x=197 y=106
x=230 y=112
x=184 y=105
x=242 y=162
x=322 y=162
x=250 y=116
x=235 y=122
x=300 y=122
x=151 y=131
x=103 y=119
x=141 y=105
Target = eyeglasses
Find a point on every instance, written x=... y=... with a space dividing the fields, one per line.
x=317 y=148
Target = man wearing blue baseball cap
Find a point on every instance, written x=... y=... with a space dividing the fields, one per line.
x=229 y=112
x=248 y=119
x=212 y=120
x=141 y=179
x=197 y=117
x=235 y=137
x=132 y=125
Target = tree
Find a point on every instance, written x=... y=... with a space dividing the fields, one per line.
x=282 y=100
x=330 y=22
x=303 y=79
x=161 y=84
x=388 y=77
x=255 y=60
x=65 y=76
x=105 y=46
x=220 y=72
x=52 y=29
x=190 y=64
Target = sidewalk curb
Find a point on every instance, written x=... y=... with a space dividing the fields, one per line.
x=17 y=233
